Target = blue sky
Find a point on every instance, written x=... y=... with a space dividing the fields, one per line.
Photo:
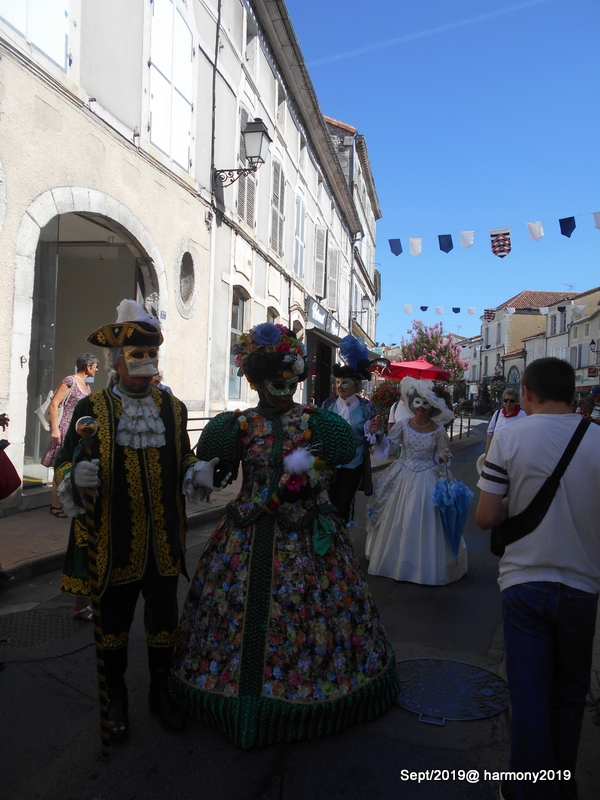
x=478 y=114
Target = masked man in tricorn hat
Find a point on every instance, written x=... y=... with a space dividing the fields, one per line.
x=141 y=468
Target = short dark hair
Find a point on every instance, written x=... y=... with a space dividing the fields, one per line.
x=551 y=379
x=83 y=359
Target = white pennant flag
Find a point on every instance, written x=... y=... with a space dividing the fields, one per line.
x=416 y=245
x=597 y=219
x=536 y=230
x=510 y=310
x=466 y=238
x=471 y=309
x=439 y=309
x=543 y=309
x=408 y=309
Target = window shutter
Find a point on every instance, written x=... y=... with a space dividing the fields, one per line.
x=281 y=212
x=277 y=209
x=299 y=238
x=250 y=194
x=320 y=250
x=332 y=279
x=242 y=180
x=47 y=27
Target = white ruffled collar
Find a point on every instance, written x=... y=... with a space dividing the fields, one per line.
x=140 y=425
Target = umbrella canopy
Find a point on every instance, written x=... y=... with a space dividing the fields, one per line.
x=416 y=369
x=452 y=498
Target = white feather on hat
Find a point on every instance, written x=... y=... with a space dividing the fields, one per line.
x=414 y=387
x=130 y=311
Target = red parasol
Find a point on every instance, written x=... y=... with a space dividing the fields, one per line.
x=415 y=369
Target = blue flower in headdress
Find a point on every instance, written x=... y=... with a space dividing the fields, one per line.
x=266 y=333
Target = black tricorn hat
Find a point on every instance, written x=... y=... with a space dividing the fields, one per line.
x=123 y=334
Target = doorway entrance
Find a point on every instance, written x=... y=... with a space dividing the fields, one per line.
x=85 y=265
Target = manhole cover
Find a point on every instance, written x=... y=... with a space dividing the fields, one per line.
x=439 y=689
x=39 y=626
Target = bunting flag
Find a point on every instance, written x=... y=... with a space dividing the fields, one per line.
x=395 y=246
x=439 y=309
x=416 y=245
x=567 y=226
x=500 y=240
x=536 y=230
x=456 y=310
x=467 y=238
x=408 y=309
x=446 y=243
x=543 y=309
x=510 y=310
x=423 y=308
x=489 y=314
x=471 y=309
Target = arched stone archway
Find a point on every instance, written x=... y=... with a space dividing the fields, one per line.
x=54 y=203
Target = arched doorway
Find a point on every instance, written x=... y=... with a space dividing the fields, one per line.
x=513 y=379
x=85 y=264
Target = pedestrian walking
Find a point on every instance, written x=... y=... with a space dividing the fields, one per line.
x=510 y=412
x=549 y=573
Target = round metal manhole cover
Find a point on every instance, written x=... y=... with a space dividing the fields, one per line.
x=40 y=626
x=439 y=689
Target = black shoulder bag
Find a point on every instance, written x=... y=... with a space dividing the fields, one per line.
x=514 y=528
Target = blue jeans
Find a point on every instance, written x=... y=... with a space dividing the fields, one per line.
x=548 y=636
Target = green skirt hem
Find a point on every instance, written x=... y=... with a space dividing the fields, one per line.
x=260 y=721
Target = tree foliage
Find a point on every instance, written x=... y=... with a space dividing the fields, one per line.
x=431 y=343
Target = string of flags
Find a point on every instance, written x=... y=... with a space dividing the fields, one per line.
x=439 y=309
x=489 y=314
x=500 y=240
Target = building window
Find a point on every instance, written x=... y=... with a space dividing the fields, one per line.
x=187 y=279
x=552 y=324
x=333 y=268
x=246 y=183
x=498 y=333
x=239 y=304
x=299 y=238
x=277 y=208
x=280 y=107
x=486 y=336
x=44 y=24
x=272 y=315
x=320 y=252
x=563 y=321
x=575 y=333
x=474 y=372
x=485 y=365
x=171 y=83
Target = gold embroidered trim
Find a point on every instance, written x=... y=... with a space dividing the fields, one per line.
x=115 y=641
x=137 y=517
x=76 y=587
x=160 y=639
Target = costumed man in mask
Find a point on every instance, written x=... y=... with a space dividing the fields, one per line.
x=142 y=466
x=362 y=415
x=279 y=638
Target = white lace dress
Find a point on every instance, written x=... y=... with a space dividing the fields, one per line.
x=405 y=539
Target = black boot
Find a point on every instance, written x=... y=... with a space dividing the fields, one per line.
x=118 y=720
x=161 y=702
x=115 y=665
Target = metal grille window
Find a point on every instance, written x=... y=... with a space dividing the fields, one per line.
x=277 y=208
x=171 y=82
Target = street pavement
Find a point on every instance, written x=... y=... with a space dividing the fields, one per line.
x=49 y=730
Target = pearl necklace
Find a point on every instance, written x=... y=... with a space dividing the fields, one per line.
x=422 y=426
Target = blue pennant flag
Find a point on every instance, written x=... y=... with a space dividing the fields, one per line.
x=446 y=244
x=395 y=246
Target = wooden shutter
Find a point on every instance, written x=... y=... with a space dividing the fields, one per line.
x=320 y=251
x=277 y=208
x=241 y=192
x=332 y=278
x=299 y=238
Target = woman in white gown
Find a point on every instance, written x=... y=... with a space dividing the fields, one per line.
x=406 y=540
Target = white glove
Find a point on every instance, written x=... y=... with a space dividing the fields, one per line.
x=444 y=455
x=85 y=474
x=205 y=475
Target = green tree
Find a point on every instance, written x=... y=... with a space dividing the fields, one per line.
x=439 y=348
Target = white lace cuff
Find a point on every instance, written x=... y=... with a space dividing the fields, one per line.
x=192 y=492
x=382 y=449
x=65 y=495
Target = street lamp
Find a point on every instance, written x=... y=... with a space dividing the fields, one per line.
x=593 y=346
x=256 y=141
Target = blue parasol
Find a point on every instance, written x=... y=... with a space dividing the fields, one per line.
x=452 y=498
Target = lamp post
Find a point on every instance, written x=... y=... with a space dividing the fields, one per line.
x=256 y=141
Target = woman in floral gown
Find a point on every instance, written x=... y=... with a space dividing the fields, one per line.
x=279 y=638
x=406 y=540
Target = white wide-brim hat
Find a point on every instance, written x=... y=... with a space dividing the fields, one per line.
x=413 y=387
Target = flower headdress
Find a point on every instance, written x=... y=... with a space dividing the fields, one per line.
x=266 y=350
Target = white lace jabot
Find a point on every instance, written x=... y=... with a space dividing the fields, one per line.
x=140 y=425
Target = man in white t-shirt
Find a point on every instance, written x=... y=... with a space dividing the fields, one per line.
x=550 y=578
x=398 y=412
x=510 y=412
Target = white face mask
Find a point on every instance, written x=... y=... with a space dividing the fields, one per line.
x=345 y=383
x=420 y=402
x=141 y=362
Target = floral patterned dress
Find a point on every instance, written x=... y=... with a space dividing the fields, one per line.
x=74 y=397
x=276 y=642
x=406 y=540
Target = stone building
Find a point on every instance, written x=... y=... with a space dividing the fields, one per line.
x=116 y=117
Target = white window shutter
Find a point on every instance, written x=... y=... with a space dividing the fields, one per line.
x=277 y=208
x=299 y=238
x=160 y=111
x=161 y=41
x=15 y=14
x=183 y=70
x=48 y=28
x=332 y=278
x=281 y=213
x=320 y=251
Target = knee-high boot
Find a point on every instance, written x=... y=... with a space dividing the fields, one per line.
x=161 y=702
x=115 y=665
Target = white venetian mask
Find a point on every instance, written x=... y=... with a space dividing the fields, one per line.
x=141 y=362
